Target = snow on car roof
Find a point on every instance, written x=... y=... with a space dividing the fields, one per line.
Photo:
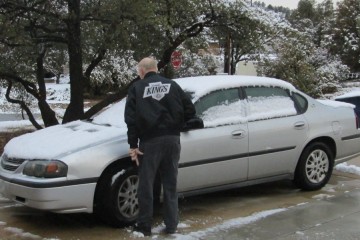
x=199 y=86
x=355 y=93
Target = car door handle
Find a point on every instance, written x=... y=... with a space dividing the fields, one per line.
x=299 y=125
x=238 y=133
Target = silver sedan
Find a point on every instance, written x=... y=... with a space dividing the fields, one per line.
x=255 y=130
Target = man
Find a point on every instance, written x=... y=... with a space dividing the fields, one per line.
x=155 y=112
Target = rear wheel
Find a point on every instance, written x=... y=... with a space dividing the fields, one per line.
x=315 y=167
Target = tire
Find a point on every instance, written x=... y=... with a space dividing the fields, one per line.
x=315 y=167
x=117 y=202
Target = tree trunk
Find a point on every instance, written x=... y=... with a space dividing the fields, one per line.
x=22 y=105
x=47 y=114
x=227 y=57
x=75 y=110
x=109 y=100
x=233 y=66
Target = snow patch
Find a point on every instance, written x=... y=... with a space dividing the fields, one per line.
x=19 y=232
x=345 y=167
x=233 y=223
x=116 y=176
x=302 y=204
x=226 y=225
x=323 y=196
x=8 y=126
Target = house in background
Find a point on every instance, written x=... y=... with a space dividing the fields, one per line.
x=247 y=68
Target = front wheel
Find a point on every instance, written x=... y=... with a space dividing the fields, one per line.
x=119 y=203
x=315 y=167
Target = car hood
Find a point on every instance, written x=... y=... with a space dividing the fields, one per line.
x=60 y=140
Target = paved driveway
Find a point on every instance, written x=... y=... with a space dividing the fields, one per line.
x=269 y=211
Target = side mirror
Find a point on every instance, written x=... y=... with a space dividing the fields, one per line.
x=194 y=123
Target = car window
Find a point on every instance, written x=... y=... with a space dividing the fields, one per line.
x=268 y=102
x=217 y=98
x=221 y=107
x=302 y=103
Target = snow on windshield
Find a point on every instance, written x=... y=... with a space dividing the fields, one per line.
x=113 y=115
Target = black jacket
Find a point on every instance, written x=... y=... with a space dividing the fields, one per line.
x=156 y=106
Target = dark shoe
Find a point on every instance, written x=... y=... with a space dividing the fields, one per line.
x=142 y=229
x=170 y=230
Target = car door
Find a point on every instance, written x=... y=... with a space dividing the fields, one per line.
x=277 y=132
x=217 y=154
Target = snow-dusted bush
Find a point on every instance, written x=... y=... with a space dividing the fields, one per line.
x=311 y=69
x=117 y=69
x=196 y=65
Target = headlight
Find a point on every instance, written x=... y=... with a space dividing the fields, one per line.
x=45 y=169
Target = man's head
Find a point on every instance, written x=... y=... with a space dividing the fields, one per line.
x=147 y=65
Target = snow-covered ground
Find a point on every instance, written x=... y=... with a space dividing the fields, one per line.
x=58 y=96
x=224 y=226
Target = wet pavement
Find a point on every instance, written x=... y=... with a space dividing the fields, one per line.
x=334 y=215
x=330 y=218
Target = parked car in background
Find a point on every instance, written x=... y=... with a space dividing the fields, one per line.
x=352 y=97
x=256 y=130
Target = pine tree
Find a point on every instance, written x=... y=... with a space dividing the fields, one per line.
x=346 y=40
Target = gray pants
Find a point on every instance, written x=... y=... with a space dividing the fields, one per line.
x=160 y=153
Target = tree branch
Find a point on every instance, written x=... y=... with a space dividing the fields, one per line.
x=22 y=105
x=109 y=100
x=29 y=86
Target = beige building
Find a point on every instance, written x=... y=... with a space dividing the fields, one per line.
x=247 y=68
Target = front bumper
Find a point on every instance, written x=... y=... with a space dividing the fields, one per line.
x=46 y=194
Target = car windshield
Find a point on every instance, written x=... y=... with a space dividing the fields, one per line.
x=112 y=116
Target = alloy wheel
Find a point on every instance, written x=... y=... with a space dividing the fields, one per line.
x=127 y=198
x=317 y=166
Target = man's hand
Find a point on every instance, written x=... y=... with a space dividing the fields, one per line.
x=134 y=152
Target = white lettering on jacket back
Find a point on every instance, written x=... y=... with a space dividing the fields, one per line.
x=156 y=90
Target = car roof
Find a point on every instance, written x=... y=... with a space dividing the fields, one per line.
x=202 y=85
